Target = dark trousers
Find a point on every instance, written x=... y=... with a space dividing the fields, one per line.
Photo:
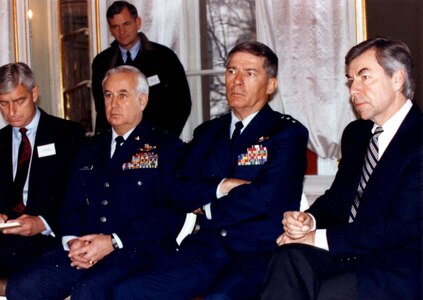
x=52 y=277
x=299 y=271
x=217 y=275
x=17 y=252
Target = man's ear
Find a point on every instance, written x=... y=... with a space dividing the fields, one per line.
x=272 y=84
x=35 y=92
x=143 y=98
x=398 y=79
x=139 y=22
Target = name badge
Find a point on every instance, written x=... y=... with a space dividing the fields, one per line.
x=153 y=80
x=46 y=150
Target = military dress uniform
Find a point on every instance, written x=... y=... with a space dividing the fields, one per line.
x=228 y=255
x=122 y=195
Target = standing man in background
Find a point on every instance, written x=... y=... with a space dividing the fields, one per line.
x=169 y=102
x=36 y=154
x=363 y=238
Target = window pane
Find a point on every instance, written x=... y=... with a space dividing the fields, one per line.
x=228 y=22
x=76 y=61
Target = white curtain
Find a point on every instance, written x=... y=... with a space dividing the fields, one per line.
x=311 y=39
x=175 y=24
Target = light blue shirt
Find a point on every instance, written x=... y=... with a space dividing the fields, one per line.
x=16 y=141
x=17 y=137
x=134 y=51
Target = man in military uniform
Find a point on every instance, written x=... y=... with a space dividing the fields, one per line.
x=115 y=218
x=243 y=171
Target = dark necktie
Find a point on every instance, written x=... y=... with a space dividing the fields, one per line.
x=370 y=162
x=119 y=141
x=237 y=131
x=129 y=60
x=24 y=157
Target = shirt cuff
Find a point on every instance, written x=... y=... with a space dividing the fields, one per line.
x=314 y=222
x=320 y=239
x=207 y=210
x=118 y=240
x=218 y=193
x=48 y=230
x=66 y=239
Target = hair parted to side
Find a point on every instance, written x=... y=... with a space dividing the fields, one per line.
x=392 y=56
x=142 y=84
x=14 y=74
x=117 y=7
x=261 y=50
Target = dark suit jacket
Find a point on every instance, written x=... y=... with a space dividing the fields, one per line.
x=169 y=101
x=48 y=175
x=385 y=239
x=248 y=218
x=107 y=197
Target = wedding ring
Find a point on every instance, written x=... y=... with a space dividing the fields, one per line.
x=91 y=262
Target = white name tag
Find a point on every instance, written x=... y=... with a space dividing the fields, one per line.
x=153 y=80
x=46 y=150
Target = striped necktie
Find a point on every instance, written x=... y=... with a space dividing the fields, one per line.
x=370 y=162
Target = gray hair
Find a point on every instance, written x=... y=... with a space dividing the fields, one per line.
x=142 y=85
x=14 y=74
x=392 y=55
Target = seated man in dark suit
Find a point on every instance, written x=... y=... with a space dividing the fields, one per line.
x=242 y=185
x=115 y=218
x=363 y=238
x=36 y=154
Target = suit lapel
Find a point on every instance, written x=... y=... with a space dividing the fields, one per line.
x=405 y=139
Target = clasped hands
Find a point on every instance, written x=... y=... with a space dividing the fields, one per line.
x=85 y=251
x=297 y=229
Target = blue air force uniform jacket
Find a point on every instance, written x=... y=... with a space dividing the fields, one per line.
x=124 y=194
x=271 y=153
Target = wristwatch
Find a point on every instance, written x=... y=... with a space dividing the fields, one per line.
x=114 y=242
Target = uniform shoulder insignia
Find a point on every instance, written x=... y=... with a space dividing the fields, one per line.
x=289 y=118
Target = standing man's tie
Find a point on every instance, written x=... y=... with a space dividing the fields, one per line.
x=129 y=60
x=24 y=157
x=237 y=131
x=371 y=159
x=119 y=141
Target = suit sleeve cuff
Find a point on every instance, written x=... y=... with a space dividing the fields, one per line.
x=48 y=230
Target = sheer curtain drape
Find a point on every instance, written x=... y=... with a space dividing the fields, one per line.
x=311 y=39
x=175 y=25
